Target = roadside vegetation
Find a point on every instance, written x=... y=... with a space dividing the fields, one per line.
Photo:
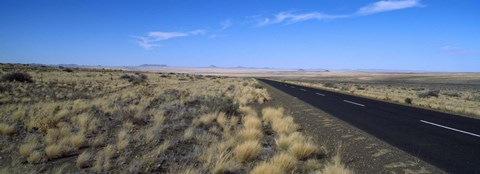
x=72 y=120
x=457 y=98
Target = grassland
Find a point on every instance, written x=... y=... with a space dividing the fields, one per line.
x=457 y=93
x=68 y=120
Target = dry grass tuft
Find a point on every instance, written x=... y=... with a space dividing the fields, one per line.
x=245 y=110
x=217 y=158
x=250 y=134
x=52 y=136
x=284 y=125
x=285 y=141
x=122 y=140
x=284 y=161
x=302 y=150
x=158 y=120
x=83 y=159
x=162 y=148
x=186 y=170
x=109 y=151
x=312 y=164
x=83 y=121
x=54 y=151
x=188 y=133
x=248 y=150
x=222 y=120
x=77 y=140
x=99 y=160
x=252 y=122
x=99 y=140
x=266 y=168
x=207 y=118
x=335 y=167
x=35 y=157
x=26 y=149
x=6 y=129
x=270 y=114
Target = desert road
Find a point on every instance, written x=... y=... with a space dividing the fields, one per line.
x=449 y=142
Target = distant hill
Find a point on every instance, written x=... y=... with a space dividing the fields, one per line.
x=161 y=65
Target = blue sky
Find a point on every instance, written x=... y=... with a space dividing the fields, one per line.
x=427 y=35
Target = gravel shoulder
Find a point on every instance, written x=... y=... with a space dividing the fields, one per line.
x=360 y=151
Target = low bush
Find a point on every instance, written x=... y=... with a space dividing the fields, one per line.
x=330 y=85
x=140 y=78
x=17 y=77
x=68 y=70
x=429 y=93
x=222 y=104
x=451 y=94
x=408 y=100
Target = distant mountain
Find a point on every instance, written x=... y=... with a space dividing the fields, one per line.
x=161 y=65
x=212 y=66
x=68 y=65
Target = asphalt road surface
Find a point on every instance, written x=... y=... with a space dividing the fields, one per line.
x=449 y=142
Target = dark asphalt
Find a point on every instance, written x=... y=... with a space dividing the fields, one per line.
x=449 y=142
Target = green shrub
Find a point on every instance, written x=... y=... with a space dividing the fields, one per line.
x=222 y=104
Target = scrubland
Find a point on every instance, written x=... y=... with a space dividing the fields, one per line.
x=66 y=120
x=453 y=93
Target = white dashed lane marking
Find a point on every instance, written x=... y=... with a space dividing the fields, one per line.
x=449 y=128
x=358 y=104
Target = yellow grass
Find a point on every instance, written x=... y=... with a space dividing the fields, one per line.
x=335 y=167
x=222 y=120
x=270 y=114
x=284 y=125
x=83 y=159
x=284 y=161
x=283 y=142
x=302 y=150
x=250 y=134
x=77 y=140
x=54 y=151
x=248 y=150
x=122 y=141
x=6 y=129
x=26 y=149
x=207 y=118
x=35 y=157
x=252 y=122
x=188 y=133
x=266 y=168
x=118 y=127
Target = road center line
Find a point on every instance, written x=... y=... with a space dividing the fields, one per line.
x=354 y=103
x=446 y=127
x=320 y=94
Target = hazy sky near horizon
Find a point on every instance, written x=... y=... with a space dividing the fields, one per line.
x=426 y=35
